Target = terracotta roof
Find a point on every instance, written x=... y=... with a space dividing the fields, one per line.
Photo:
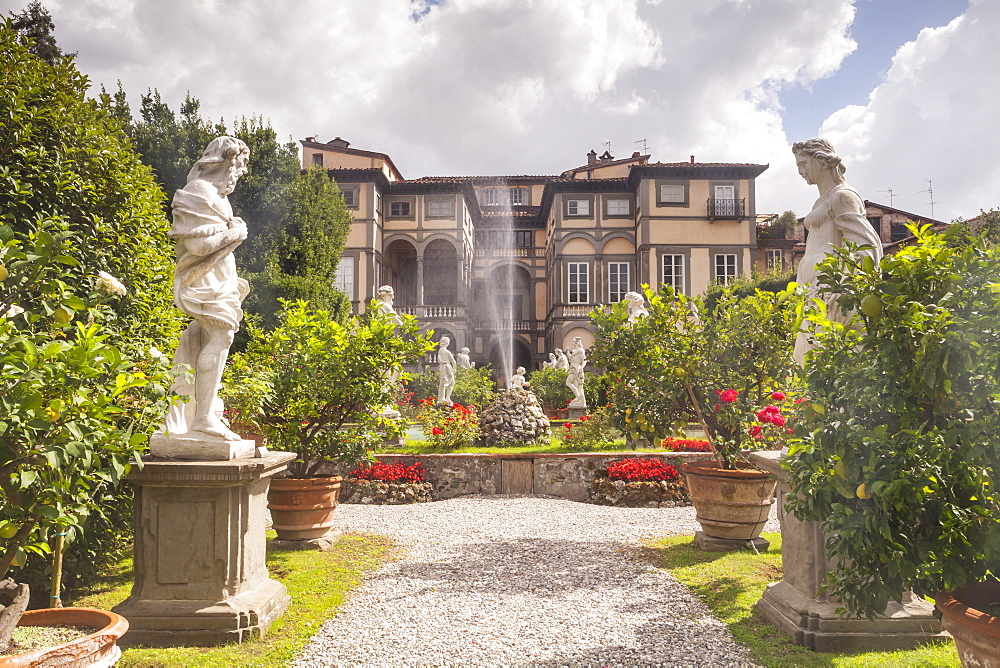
x=702 y=164
x=639 y=159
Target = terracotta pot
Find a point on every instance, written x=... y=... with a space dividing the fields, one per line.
x=302 y=508
x=976 y=633
x=99 y=649
x=730 y=504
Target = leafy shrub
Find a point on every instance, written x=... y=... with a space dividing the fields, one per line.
x=745 y=287
x=898 y=454
x=391 y=473
x=641 y=470
x=473 y=387
x=448 y=427
x=549 y=386
x=593 y=432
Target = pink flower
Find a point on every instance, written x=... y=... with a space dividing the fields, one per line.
x=728 y=396
x=778 y=396
x=568 y=425
x=437 y=430
x=755 y=430
x=772 y=409
x=778 y=420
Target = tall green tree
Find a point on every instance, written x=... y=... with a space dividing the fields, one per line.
x=297 y=220
x=35 y=27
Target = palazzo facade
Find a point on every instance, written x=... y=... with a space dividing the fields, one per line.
x=483 y=259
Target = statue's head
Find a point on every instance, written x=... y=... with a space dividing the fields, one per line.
x=222 y=163
x=634 y=298
x=386 y=293
x=816 y=153
x=464 y=351
x=520 y=371
x=558 y=352
x=443 y=343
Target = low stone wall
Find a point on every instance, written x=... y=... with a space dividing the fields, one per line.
x=662 y=494
x=382 y=493
x=567 y=476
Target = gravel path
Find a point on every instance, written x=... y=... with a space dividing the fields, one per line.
x=503 y=581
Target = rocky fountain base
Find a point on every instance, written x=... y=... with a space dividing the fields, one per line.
x=514 y=418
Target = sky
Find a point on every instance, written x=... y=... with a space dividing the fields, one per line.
x=905 y=89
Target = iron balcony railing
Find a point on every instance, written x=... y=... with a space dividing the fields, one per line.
x=726 y=208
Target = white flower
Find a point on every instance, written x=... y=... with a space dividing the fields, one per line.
x=13 y=310
x=110 y=284
x=154 y=352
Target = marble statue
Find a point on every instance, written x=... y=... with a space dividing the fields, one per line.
x=574 y=381
x=837 y=216
x=636 y=306
x=384 y=297
x=206 y=287
x=561 y=361
x=462 y=359
x=446 y=371
x=551 y=364
x=517 y=380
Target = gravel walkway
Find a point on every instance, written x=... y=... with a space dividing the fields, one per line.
x=503 y=581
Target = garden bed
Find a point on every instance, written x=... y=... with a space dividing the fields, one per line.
x=569 y=476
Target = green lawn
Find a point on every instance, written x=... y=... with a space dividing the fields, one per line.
x=731 y=583
x=316 y=581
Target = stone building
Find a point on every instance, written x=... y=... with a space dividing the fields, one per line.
x=489 y=260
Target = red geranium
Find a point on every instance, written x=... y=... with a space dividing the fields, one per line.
x=635 y=470
x=393 y=473
x=686 y=444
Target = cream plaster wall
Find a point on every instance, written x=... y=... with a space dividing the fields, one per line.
x=585 y=334
x=701 y=270
x=578 y=246
x=697 y=232
x=618 y=246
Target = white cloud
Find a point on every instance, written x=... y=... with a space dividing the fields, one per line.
x=932 y=118
x=483 y=86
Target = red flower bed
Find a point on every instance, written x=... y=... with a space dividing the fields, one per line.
x=391 y=473
x=635 y=470
x=686 y=444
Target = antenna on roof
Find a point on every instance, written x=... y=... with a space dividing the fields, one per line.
x=645 y=149
x=607 y=142
x=890 y=195
x=930 y=192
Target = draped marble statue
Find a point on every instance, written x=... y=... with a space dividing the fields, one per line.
x=636 y=304
x=462 y=359
x=207 y=289
x=837 y=216
x=384 y=298
x=577 y=361
x=446 y=371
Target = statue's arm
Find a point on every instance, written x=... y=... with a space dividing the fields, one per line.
x=206 y=245
x=849 y=216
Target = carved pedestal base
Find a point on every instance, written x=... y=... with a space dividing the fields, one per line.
x=809 y=617
x=577 y=412
x=200 y=576
x=199 y=448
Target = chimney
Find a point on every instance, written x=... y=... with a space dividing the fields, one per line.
x=692 y=159
x=592 y=157
x=636 y=154
x=339 y=143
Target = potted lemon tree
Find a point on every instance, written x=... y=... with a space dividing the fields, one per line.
x=721 y=366
x=322 y=384
x=897 y=450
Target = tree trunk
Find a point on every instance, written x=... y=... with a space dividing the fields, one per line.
x=13 y=603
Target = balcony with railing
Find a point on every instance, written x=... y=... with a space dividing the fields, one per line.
x=726 y=208
x=516 y=251
x=434 y=311
x=503 y=325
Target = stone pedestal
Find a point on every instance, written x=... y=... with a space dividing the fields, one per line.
x=796 y=606
x=576 y=412
x=200 y=576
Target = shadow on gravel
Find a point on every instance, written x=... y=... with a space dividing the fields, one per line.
x=535 y=565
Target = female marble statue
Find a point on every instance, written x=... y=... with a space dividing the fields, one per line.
x=463 y=359
x=517 y=380
x=551 y=364
x=636 y=306
x=561 y=361
x=206 y=286
x=574 y=381
x=837 y=216
x=446 y=371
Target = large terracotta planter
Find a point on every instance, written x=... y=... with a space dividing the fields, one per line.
x=99 y=649
x=731 y=504
x=302 y=508
x=976 y=633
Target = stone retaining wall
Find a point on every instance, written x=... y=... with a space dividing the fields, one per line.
x=566 y=475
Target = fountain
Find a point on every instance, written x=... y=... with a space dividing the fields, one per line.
x=499 y=294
